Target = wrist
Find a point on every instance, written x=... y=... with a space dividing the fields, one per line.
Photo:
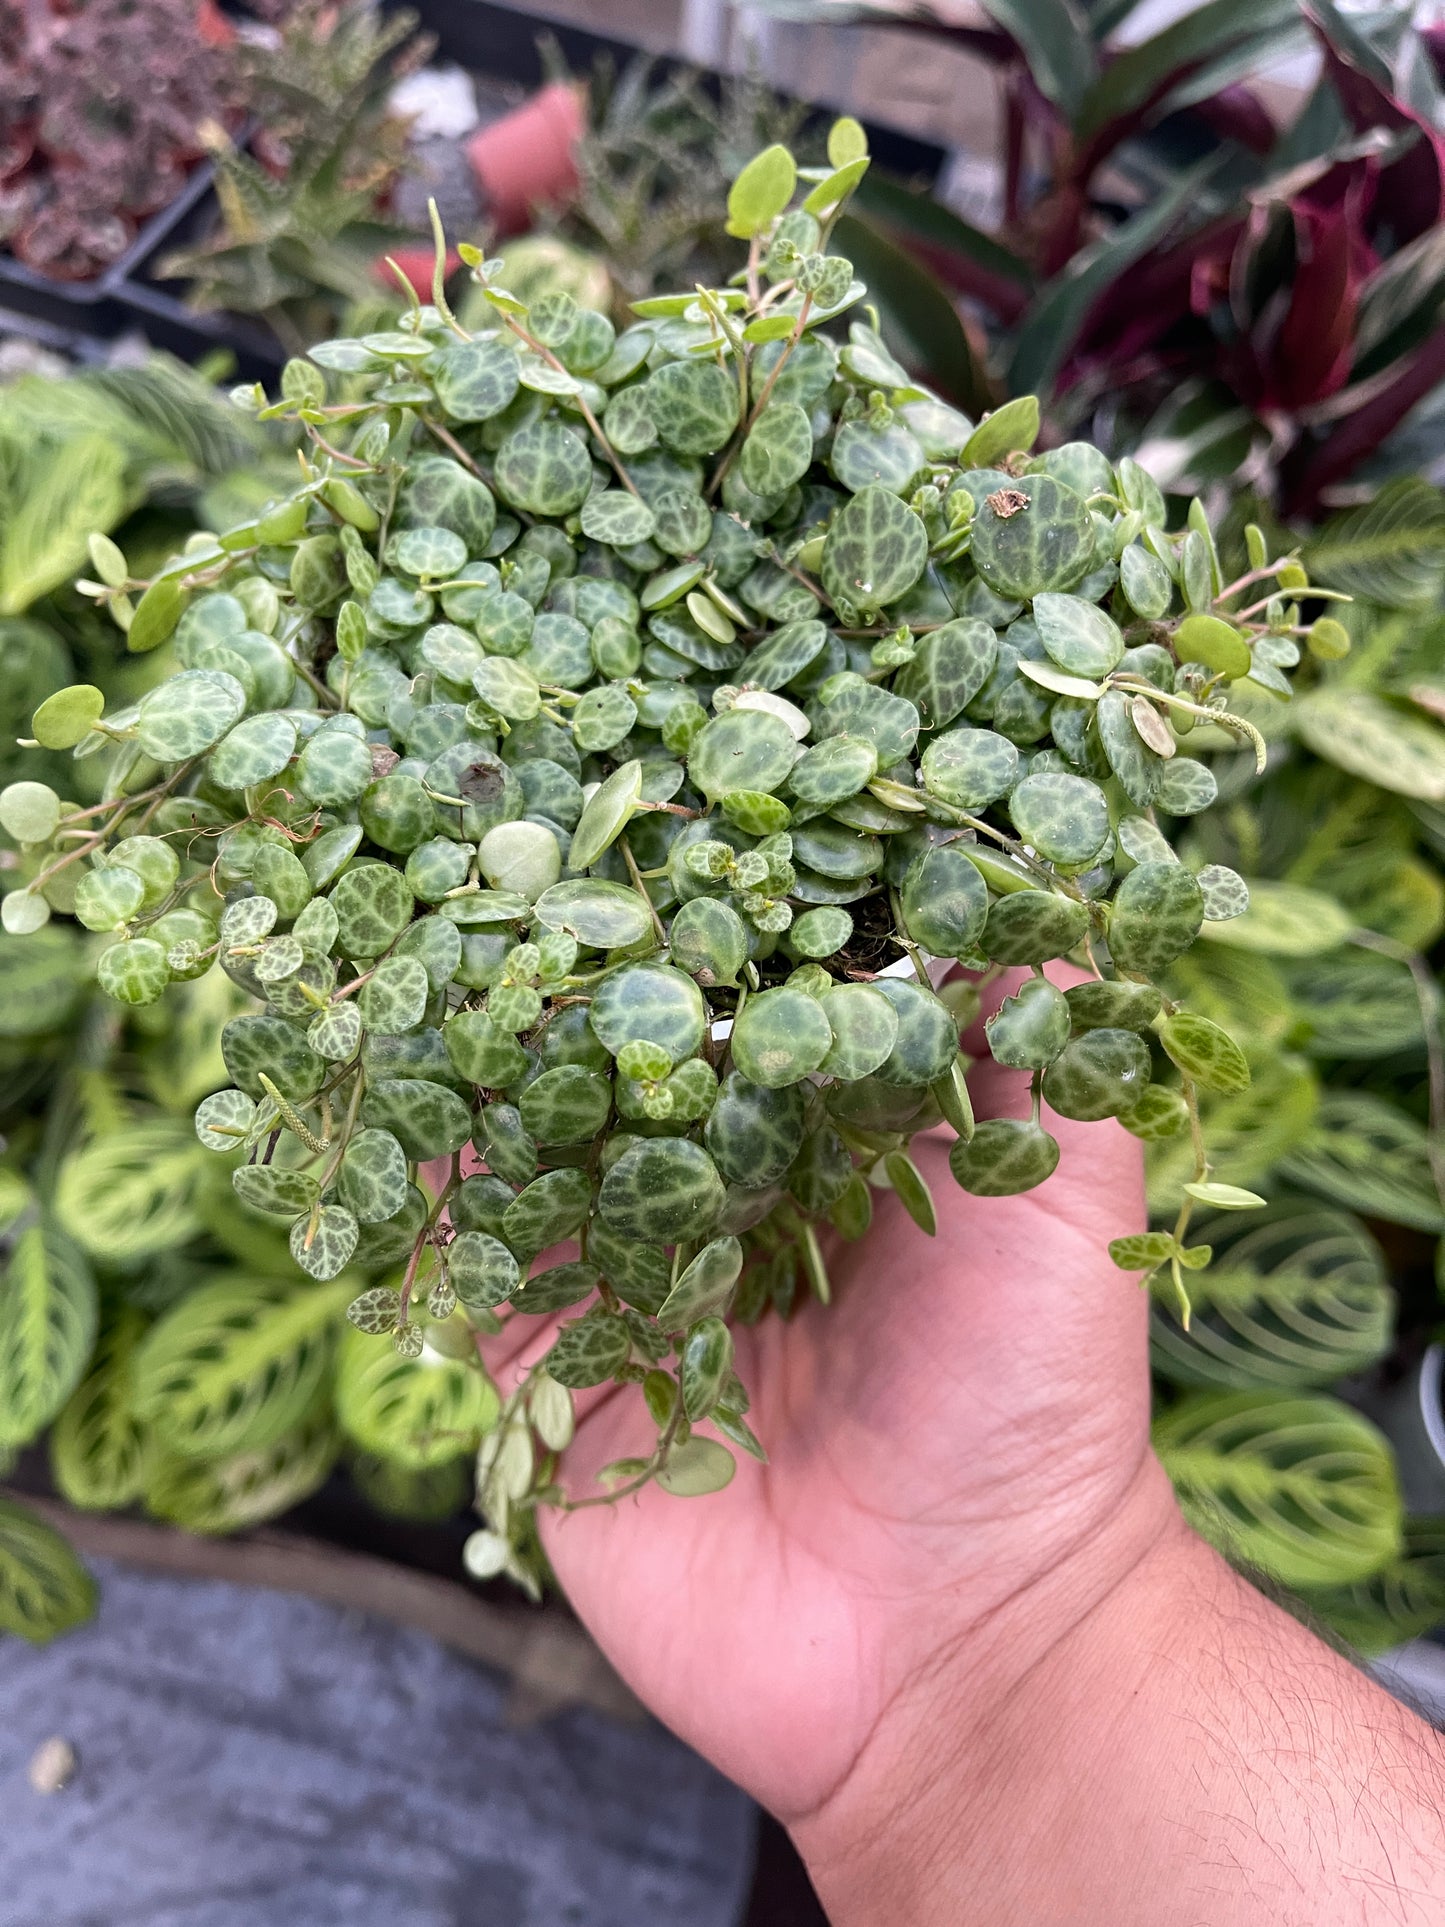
x=1177 y=1748
x=920 y=1818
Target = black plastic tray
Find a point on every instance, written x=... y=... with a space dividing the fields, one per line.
x=94 y=307
x=493 y=39
x=485 y=37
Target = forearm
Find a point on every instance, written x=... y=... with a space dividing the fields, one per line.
x=1188 y=1756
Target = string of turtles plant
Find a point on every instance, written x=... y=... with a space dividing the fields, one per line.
x=592 y=769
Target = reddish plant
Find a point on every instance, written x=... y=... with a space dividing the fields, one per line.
x=100 y=106
x=1266 y=300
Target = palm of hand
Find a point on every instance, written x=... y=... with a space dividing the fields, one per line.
x=970 y=1408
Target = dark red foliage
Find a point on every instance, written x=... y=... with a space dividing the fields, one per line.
x=1254 y=293
x=101 y=106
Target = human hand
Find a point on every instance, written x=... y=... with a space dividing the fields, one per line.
x=958 y=1465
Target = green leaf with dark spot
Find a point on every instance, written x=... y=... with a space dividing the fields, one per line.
x=1032 y=536
x=1157 y=914
x=662 y=1190
x=1004 y=1156
x=1099 y=1074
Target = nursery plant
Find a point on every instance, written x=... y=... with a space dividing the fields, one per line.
x=1265 y=297
x=99 y=110
x=590 y=772
x=1331 y=985
x=302 y=217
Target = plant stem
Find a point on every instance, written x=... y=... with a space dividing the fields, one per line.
x=654 y=1466
x=762 y=401
x=587 y=415
x=641 y=888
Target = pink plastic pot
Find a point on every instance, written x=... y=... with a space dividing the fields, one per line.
x=525 y=160
x=417 y=264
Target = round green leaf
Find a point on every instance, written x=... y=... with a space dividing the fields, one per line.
x=1064 y=818
x=663 y=1191
x=875 y=550
x=1078 y=635
x=818 y=933
x=694 y=405
x=1098 y=1075
x=1004 y=1156
x=927 y=1040
x=482 y=1270
x=30 y=812
x=522 y=858
x=743 y=749
x=781 y=1037
x=753 y=1131
x=1031 y=536
x=395 y=999
x=1157 y=914
x=373 y=1177
x=970 y=768
x=373 y=906
x=1206 y=1052
x=185 y=715
x=544 y=469
x=649 y=1003
x=605 y=916
x=1030 y=1028
x=1215 y=643
x=950 y=666
x=834 y=770
x=133 y=973
x=1112 y=1005
x=697 y=1467
x=779 y=449
x=547 y=1210
x=606 y=816
x=1031 y=926
x=945 y=902
x=427 y=1119
x=761 y=192
x=67 y=717
x=566 y=1105
x=865 y=1030
x=709 y=940
x=477 y=379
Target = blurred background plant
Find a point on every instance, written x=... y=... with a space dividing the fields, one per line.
x=303 y=207
x=1332 y=984
x=100 y=107
x=1264 y=302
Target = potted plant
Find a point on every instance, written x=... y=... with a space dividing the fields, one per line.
x=589 y=772
x=100 y=107
x=1172 y=226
